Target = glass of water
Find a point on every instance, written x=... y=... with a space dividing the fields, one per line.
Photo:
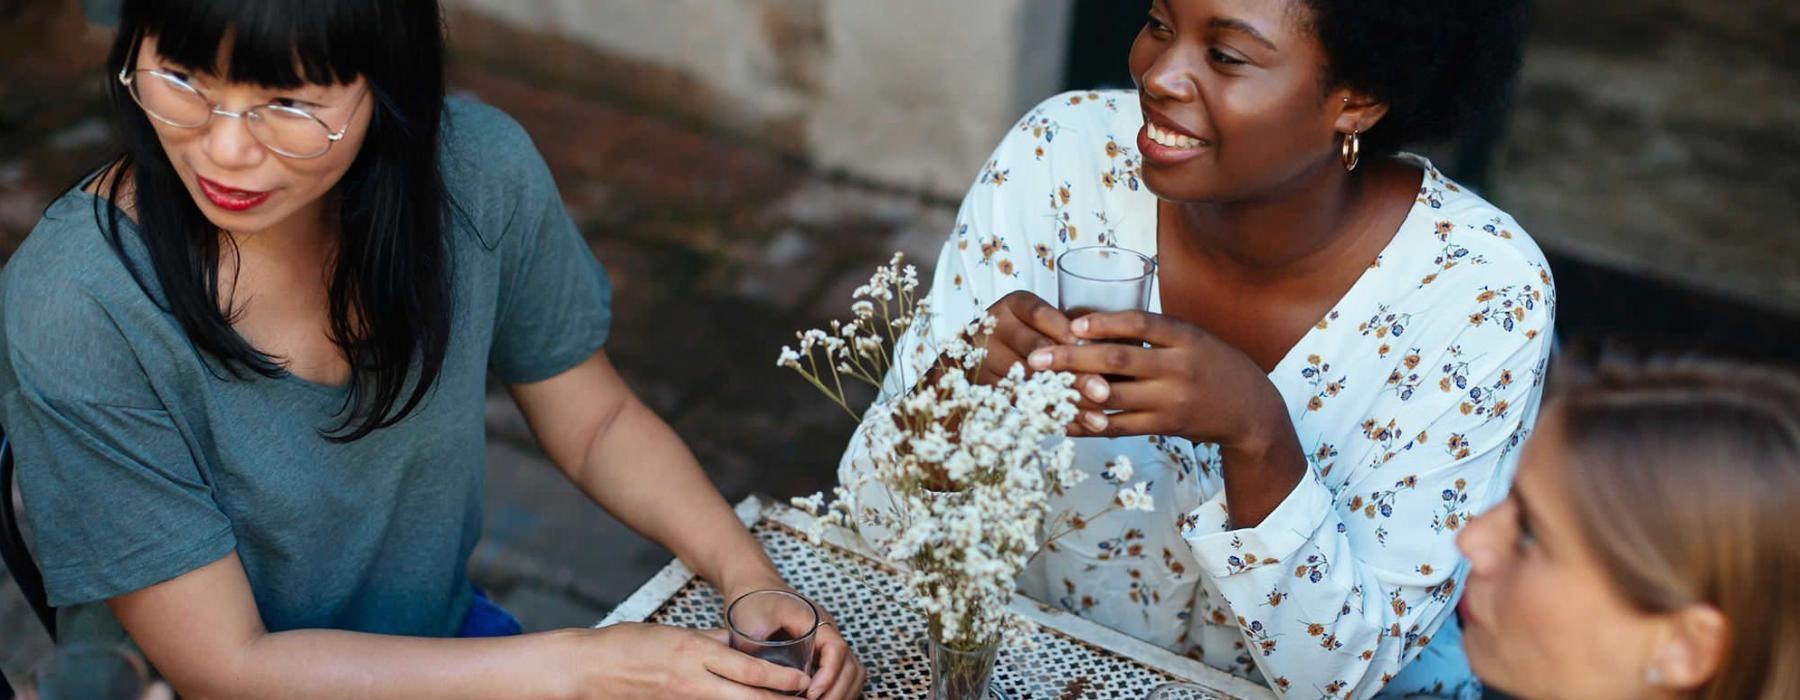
x=776 y=626
x=1103 y=279
x=90 y=672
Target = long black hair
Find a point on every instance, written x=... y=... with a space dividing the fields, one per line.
x=390 y=295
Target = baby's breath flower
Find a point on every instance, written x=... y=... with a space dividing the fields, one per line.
x=956 y=476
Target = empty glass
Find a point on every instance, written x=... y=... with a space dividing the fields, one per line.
x=776 y=626
x=1103 y=278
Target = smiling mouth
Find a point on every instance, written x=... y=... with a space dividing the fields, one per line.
x=1170 y=139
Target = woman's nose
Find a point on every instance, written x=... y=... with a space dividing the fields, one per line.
x=1169 y=77
x=229 y=143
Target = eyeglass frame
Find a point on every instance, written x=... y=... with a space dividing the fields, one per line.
x=128 y=78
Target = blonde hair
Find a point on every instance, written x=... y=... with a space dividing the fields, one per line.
x=1685 y=477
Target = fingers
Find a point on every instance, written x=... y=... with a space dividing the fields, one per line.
x=1041 y=317
x=1155 y=329
x=1000 y=360
x=850 y=683
x=1098 y=358
x=744 y=669
x=833 y=652
x=1120 y=425
x=727 y=690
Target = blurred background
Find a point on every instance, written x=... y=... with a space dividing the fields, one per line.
x=740 y=165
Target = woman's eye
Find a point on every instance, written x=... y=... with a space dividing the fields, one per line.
x=1156 y=25
x=291 y=103
x=1224 y=58
x=1527 y=539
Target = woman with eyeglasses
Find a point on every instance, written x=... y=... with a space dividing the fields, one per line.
x=244 y=369
x=1648 y=548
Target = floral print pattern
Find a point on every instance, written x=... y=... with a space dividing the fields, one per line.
x=1412 y=395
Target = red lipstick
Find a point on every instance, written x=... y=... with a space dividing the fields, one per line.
x=230 y=198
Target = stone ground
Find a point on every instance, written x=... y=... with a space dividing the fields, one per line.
x=719 y=249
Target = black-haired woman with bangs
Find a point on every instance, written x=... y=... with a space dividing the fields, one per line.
x=243 y=367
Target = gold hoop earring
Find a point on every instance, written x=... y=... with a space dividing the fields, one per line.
x=1351 y=150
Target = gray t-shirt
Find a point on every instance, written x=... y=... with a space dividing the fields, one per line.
x=137 y=464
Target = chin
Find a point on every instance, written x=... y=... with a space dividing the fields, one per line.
x=1181 y=184
x=257 y=218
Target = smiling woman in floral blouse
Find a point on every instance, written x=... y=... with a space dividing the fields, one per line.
x=1344 y=347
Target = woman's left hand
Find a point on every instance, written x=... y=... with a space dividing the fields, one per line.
x=1188 y=383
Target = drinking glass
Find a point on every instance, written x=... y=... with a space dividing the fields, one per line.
x=1102 y=279
x=89 y=672
x=776 y=626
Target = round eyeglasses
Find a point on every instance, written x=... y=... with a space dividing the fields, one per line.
x=288 y=131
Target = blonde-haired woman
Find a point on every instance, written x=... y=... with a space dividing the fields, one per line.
x=1648 y=548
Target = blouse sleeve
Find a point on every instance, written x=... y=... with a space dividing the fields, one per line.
x=1334 y=592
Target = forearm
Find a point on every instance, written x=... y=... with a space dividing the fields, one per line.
x=639 y=470
x=340 y=664
x=1263 y=464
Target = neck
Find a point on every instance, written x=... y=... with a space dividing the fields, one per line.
x=1275 y=235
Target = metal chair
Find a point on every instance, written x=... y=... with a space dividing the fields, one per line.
x=12 y=546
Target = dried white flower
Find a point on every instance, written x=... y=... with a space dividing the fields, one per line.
x=966 y=470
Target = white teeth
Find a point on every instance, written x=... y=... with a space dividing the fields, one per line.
x=1172 y=140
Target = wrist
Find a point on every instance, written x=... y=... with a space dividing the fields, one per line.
x=558 y=656
x=1264 y=427
x=750 y=576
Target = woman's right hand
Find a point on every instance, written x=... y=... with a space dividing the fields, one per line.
x=1025 y=323
x=636 y=660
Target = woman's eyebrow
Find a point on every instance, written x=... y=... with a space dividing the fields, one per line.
x=1238 y=25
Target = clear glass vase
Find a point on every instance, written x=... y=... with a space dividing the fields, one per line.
x=958 y=674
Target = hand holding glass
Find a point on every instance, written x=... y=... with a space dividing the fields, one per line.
x=776 y=626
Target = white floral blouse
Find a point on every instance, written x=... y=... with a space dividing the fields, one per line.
x=1411 y=397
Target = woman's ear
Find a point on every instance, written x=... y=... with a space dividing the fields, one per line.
x=1697 y=639
x=1357 y=111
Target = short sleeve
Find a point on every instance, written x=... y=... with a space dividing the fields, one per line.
x=554 y=306
x=113 y=495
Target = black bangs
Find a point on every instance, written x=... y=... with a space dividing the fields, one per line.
x=280 y=44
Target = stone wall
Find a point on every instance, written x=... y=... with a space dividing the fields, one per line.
x=1657 y=138
x=907 y=94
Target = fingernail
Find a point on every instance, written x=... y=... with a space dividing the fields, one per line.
x=1079 y=326
x=1039 y=359
x=1095 y=421
x=1097 y=389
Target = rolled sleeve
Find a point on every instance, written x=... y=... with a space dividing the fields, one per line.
x=1225 y=552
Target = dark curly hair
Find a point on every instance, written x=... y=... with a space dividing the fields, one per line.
x=1439 y=66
